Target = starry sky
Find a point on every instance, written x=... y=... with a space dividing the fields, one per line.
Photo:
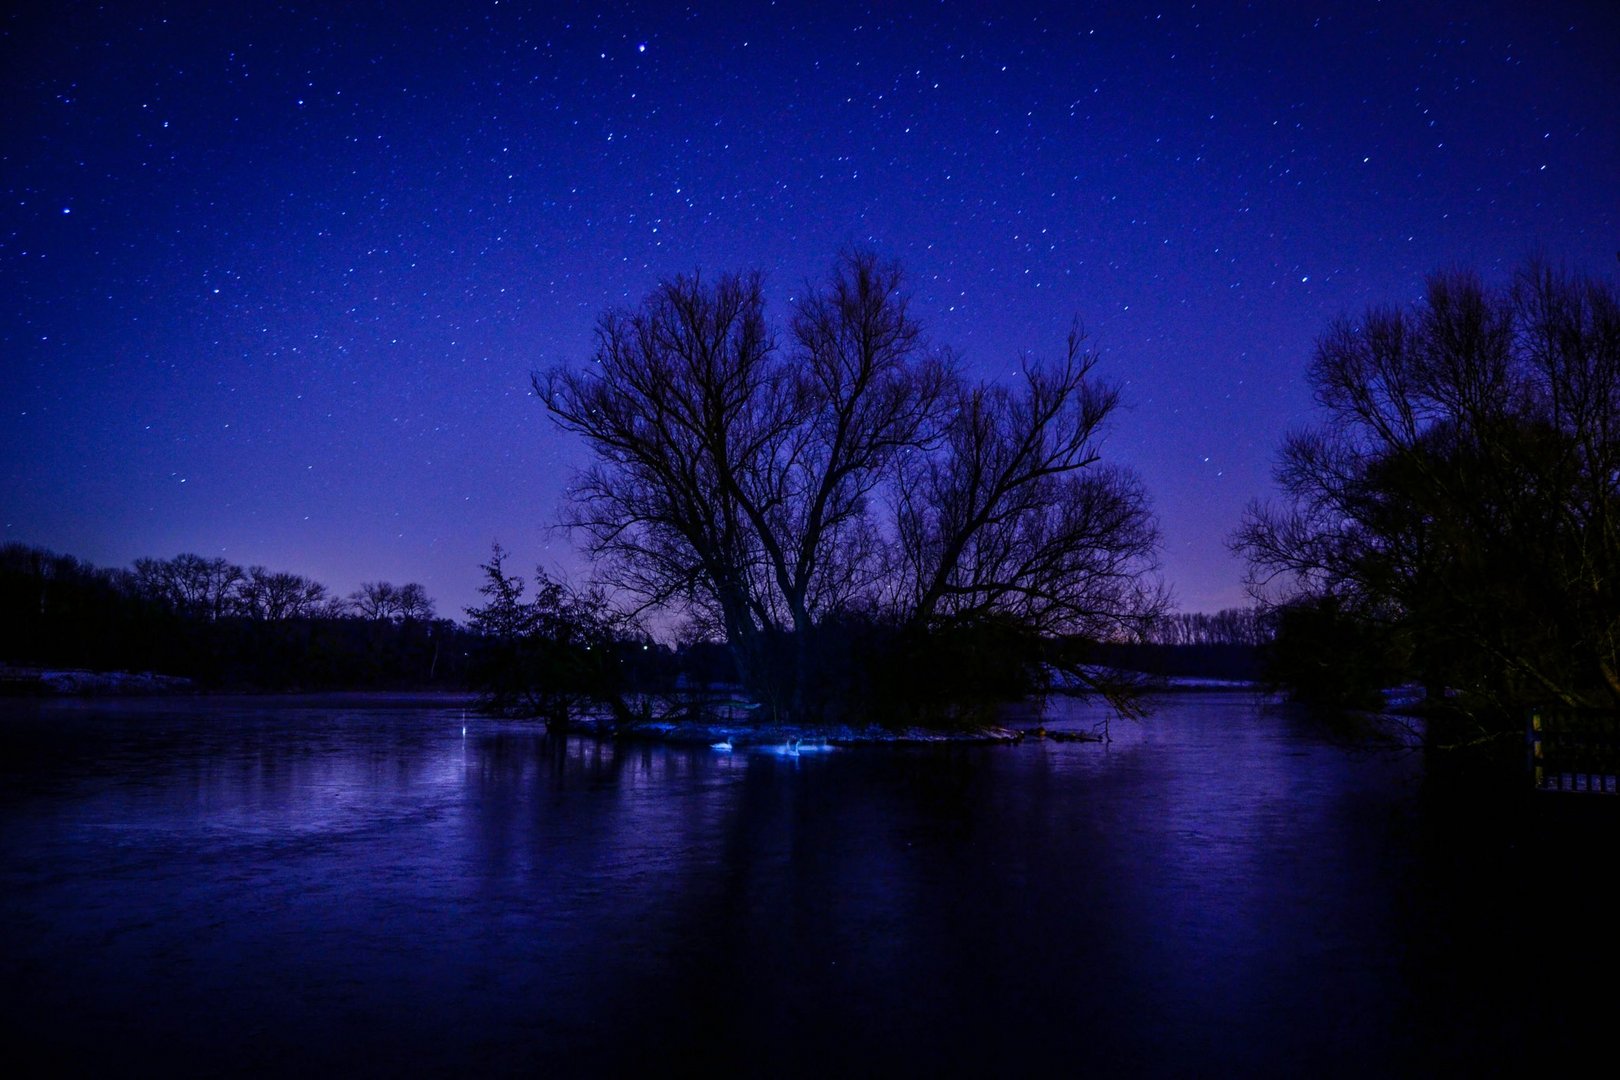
x=273 y=277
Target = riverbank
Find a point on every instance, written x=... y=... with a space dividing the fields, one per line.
x=29 y=682
x=732 y=734
x=77 y=682
x=729 y=727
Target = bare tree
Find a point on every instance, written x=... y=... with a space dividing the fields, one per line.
x=385 y=601
x=860 y=390
x=412 y=602
x=1017 y=517
x=740 y=482
x=1016 y=520
x=274 y=597
x=869 y=391
x=378 y=600
x=683 y=394
x=191 y=584
x=1229 y=626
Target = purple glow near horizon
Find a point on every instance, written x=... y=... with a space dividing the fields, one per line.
x=272 y=280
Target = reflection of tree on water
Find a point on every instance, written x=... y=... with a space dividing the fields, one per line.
x=1222 y=886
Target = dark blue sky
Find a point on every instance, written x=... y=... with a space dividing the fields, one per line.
x=272 y=280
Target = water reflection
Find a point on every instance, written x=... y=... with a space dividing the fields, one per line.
x=272 y=886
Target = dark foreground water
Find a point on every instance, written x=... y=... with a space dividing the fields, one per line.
x=201 y=887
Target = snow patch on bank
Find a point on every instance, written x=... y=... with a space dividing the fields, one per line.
x=74 y=682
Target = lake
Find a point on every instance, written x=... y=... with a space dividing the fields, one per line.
x=378 y=887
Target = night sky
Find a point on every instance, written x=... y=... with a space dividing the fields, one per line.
x=273 y=278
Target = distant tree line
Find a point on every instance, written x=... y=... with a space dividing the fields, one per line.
x=221 y=624
x=213 y=589
x=869 y=531
x=1245 y=626
x=1231 y=644
x=1454 y=517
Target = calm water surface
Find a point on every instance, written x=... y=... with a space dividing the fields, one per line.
x=259 y=885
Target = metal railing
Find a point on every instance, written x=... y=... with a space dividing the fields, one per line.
x=1574 y=750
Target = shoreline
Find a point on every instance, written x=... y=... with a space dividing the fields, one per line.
x=725 y=736
x=720 y=732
